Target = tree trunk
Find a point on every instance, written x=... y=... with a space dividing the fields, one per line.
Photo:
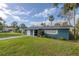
x=69 y=20
x=74 y=26
x=51 y=23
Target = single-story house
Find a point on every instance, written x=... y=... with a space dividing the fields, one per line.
x=6 y=29
x=49 y=31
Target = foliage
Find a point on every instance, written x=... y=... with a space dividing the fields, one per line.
x=1 y=26
x=40 y=33
x=51 y=18
x=15 y=26
x=22 y=27
x=57 y=24
x=77 y=29
x=55 y=4
x=77 y=25
x=43 y=24
x=61 y=38
x=17 y=29
x=69 y=6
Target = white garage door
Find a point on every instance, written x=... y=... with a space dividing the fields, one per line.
x=28 y=33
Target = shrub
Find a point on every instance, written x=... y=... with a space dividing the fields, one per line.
x=61 y=38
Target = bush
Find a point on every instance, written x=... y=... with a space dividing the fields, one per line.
x=77 y=37
x=61 y=38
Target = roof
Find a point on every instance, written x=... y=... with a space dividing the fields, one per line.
x=47 y=27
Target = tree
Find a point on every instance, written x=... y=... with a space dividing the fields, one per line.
x=71 y=7
x=1 y=26
x=77 y=26
x=65 y=24
x=40 y=33
x=22 y=26
x=51 y=18
x=57 y=24
x=14 y=25
x=55 y=4
x=43 y=24
x=65 y=11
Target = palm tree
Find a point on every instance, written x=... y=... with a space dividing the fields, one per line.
x=71 y=7
x=43 y=24
x=55 y=4
x=51 y=18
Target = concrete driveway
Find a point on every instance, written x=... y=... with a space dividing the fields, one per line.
x=10 y=37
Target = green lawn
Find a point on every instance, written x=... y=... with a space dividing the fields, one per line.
x=27 y=46
x=2 y=35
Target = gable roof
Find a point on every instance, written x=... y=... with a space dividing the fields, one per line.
x=47 y=27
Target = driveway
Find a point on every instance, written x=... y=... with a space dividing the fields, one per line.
x=10 y=37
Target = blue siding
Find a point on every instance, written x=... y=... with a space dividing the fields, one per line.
x=62 y=33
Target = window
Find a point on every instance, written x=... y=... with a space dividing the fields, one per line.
x=51 y=31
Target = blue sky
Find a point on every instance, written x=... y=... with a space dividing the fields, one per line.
x=30 y=13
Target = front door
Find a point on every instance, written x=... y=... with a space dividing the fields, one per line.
x=35 y=32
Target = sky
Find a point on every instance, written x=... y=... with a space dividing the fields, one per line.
x=31 y=13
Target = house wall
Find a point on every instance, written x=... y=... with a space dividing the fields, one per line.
x=28 y=33
x=64 y=33
x=60 y=33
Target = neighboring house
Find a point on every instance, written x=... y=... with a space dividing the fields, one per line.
x=7 y=29
x=50 y=31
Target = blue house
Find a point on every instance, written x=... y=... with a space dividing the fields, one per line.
x=50 y=31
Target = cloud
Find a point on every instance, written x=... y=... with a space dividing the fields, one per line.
x=46 y=12
x=3 y=15
x=13 y=14
x=16 y=18
x=19 y=10
x=2 y=5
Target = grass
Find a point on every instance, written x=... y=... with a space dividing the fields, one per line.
x=34 y=46
x=2 y=35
